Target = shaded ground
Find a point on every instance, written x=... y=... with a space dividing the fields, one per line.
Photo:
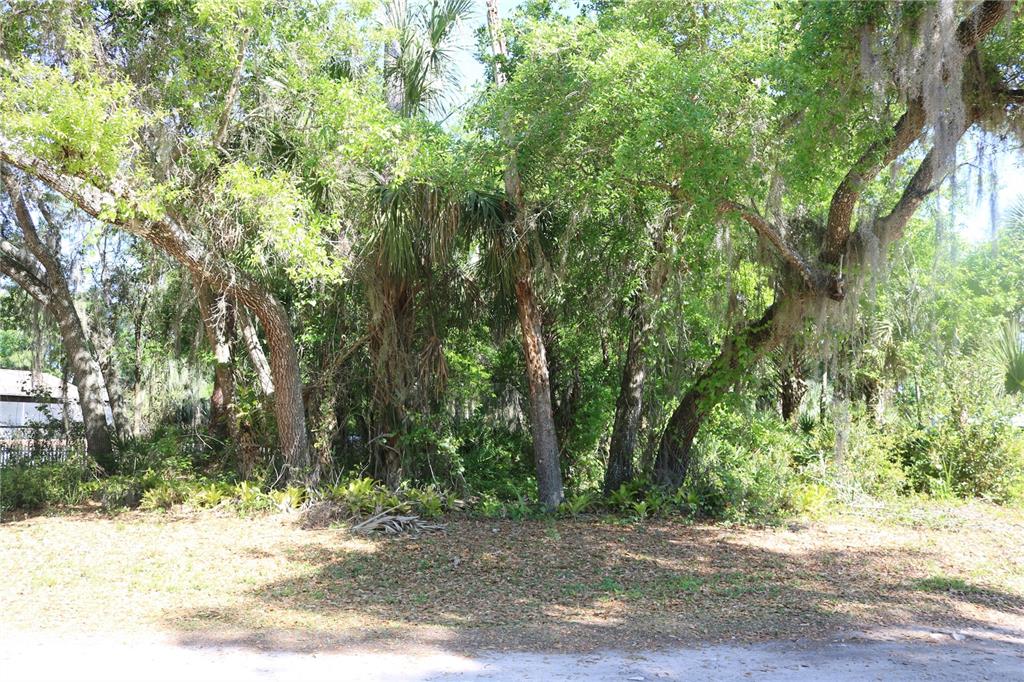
x=540 y=586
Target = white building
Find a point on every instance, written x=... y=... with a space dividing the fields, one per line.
x=24 y=401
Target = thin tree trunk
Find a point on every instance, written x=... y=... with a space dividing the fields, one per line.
x=792 y=384
x=137 y=375
x=254 y=349
x=542 y=422
x=788 y=395
x=37 y=344
x=40 y=274
x=218 y=323
x=112 y=380
x=629 y=405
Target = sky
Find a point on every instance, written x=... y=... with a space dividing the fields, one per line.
x=973 y=217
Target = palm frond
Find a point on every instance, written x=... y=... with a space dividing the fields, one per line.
x=1009 y=348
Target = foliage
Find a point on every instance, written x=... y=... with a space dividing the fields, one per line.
x=744 y=468
x=650 y=178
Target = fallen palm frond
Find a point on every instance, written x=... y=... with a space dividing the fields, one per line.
x=393 y=524
x=390 y=521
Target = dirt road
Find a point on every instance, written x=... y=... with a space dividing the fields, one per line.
x=919 y=655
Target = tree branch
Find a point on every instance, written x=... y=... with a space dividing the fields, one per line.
x=969 y=33
x=183 y=246
x=232 y=93
x=27 y=224
x=15 y=269
x=816 y=279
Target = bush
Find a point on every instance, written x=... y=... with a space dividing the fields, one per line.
x=983 y=457
x=118 y=492
x=23 y=488
x=741 y=469
x=869 y=468
x=250 y=498
x=33 y=486
x=209 y=494
x=164 y=495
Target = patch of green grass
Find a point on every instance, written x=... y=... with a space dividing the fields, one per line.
x=681 y=583
x=945 y=583
x=608 y=586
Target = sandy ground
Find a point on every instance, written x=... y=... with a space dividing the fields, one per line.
x=901 y=655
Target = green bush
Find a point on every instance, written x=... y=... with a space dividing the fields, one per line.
x=742 y=467
x=209 y=494
x=981 y=457
x=428 y=502
x=165 y=495
x=362 y=496
x=22 y=487
x=868 y=468
x=288 y=498
x=250 y=498
x=118 y=492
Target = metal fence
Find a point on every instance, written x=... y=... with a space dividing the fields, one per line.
x=29 y=445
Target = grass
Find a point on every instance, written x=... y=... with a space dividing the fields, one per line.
x=573 y=584
x=945 y=583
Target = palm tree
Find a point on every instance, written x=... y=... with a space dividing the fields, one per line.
x=546 y=452
x=419 y=64
x=412 y=226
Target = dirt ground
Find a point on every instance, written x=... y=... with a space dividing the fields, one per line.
x=213 y=579
x=899 y=656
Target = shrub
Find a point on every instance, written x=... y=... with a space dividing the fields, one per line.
x=427 y=502
x=22 y=487
x=362 y=496
x=288 y=498
x=250 y=498
x=983 y=457
x=577 y=504
x=120 y=492
x=742 y=467
x=164 y=495
x=209 y=494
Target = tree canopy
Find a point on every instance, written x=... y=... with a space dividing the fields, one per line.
x=655 y=216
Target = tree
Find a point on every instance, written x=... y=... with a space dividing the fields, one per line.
x=808 y=283
x=542 y=424
x=160 y=195
x=36 y=268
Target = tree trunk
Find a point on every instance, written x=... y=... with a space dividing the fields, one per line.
x=254 y=350
x=88 y=379
x=287 y=377
x=112 y=380
x=221 y=274
x=218 y=323
x=392 y=314
x=629 y=405
x=542 y=422
x=738 y=354
x=139 y=318
x=40 y=274
x=792 y=385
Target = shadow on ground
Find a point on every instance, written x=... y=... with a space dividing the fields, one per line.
x=582 y=585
